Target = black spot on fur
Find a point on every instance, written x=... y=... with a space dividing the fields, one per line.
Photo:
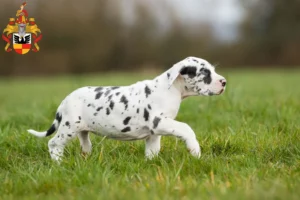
x=147 y=91
x=207 y=80
x=67 y=124
x=125 y=101
x=202 y=64
x=93 y=122
x=69 y=135
x=107 y=111
x=168 y=74
x=98 y=95
x=99 y=108
x=95 y=114
x=137 y=110
x=156 y=122
x=58 y=117
x=79 y=117
x=126 y=120
x=195 y=60
x=77 y=122
x=190 y=71
x=146 y=114
x=152 y=132
x=149 y=106
x=126 y=129
x=89 y=105
x=107 y=92
x=161 y=113
x=117 y=93
x=116 y=87
x=98 y=89
x=111 y=105
x=207 y=75
x=109 y=97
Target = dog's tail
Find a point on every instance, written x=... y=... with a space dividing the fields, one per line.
x=52 y=128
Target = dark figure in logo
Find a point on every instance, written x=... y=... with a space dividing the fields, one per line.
x=22 y=40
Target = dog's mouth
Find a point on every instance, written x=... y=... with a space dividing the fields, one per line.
x=221 y=91
x=207 y=93
x=210 y=93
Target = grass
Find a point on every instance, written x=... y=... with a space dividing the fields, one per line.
x=249 y=137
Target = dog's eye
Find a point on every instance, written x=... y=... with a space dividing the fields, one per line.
x=205 y=72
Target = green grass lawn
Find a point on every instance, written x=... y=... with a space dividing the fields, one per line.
x=249 y=137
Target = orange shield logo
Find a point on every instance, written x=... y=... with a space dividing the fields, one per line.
x=22 y=44
x=22 y=32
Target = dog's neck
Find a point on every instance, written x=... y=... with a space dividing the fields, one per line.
x=180 y=85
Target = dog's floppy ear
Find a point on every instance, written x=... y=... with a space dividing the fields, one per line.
x=173 y=73
x=180 y=69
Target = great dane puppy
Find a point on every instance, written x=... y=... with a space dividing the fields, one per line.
x=145 y=110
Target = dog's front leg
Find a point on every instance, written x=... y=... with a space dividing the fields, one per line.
x=152 y=146
x=167 y=126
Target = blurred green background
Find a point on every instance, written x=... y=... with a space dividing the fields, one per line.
x=142 y=35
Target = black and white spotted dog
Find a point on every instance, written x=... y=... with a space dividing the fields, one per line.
x=145 y=110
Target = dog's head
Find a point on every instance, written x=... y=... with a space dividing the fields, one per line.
x=197 y=77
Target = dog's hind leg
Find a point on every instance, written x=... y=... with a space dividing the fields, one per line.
x=85 y=142
x=57 y=144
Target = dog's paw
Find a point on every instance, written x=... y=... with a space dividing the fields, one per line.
x=194 y=149
x=150 y=155
x=196 y=153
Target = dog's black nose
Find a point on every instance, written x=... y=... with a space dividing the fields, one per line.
x=223 y=81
